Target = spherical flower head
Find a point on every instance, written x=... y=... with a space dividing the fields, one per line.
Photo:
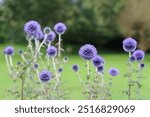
x=20 y=51
x=45 y=76
x=36 y=66
x=100 y=69
x=88 y=52
x=51 y=36
x=129 y=44
x=132 y=58
x=51 y=51
x=98 y=61
x=113 y=72
x=139 y=55
x=142 y=65
x=40 y=36
x=75 y=67
x=65 y=59
x=32 y=27
x=60 y=28
x=9 y=50
x=60 y=70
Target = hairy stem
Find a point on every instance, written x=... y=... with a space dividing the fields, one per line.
x=56 y=74
x=22 y=88
x=59 y=45
x=129 y=77
x=138 y=82
x=81 y=81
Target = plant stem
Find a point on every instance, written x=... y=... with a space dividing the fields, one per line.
x=81 y=81
x=38 y=50
x=138 y=82
x=88 y=79
x=57 y=78
x=22 y=88
x=59 y=45
x=129 y=78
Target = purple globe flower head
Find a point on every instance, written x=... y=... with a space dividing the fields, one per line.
x=9 y=50
x=98 y=61
x=100 y=69
x=20 y=51
x=45 y=76
x=32 y=28
x=51 y=51
x=113 y=72
x=51 y=36
x=129 y=44
x=139 y=55
x=18 y=63
x=132 y=58
x=142 y=65
x=40 y=36
x=36 y=66
x=60 y=28
x=65 y=59
x=75 y=67
x=60 y=70
x=88 y=52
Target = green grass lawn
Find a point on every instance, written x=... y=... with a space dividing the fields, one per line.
x=73 y=85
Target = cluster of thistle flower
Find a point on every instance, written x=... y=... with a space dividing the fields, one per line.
x=28 y=69
x=94 y=88
x=129 y=45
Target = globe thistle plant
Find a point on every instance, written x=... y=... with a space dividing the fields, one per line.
x=60 y=29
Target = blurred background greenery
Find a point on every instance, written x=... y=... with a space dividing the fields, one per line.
x=104 y=23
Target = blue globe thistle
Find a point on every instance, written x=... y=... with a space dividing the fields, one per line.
x=100 y=69
x=36 y=66
x=60 y=70
x=65 y=59
x=40 y=35
x=51 y=51
x=51 y=36
x=139 y=55
x=20 y=51
x=132 y=58
x=98 y=61
x=45 y=76
x=9 y=50
x=88 y=52
x=75 y=67
x=32 y=28
x=18 y=63
x=60 y=28
x=113 y=72
x=142 y=65
x=129 y=44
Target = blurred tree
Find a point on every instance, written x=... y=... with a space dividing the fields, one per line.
x=93 y=21
x=135 y=22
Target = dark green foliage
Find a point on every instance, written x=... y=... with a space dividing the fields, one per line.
x=87 y=21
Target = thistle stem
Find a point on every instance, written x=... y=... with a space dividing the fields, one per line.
x=81 y=81
x=138 y=82
x=59 y=45
x=22 y=89
x=129 y=78
x=7 y=62
x=57 y=78
x=11 y=63
x=38 y=50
